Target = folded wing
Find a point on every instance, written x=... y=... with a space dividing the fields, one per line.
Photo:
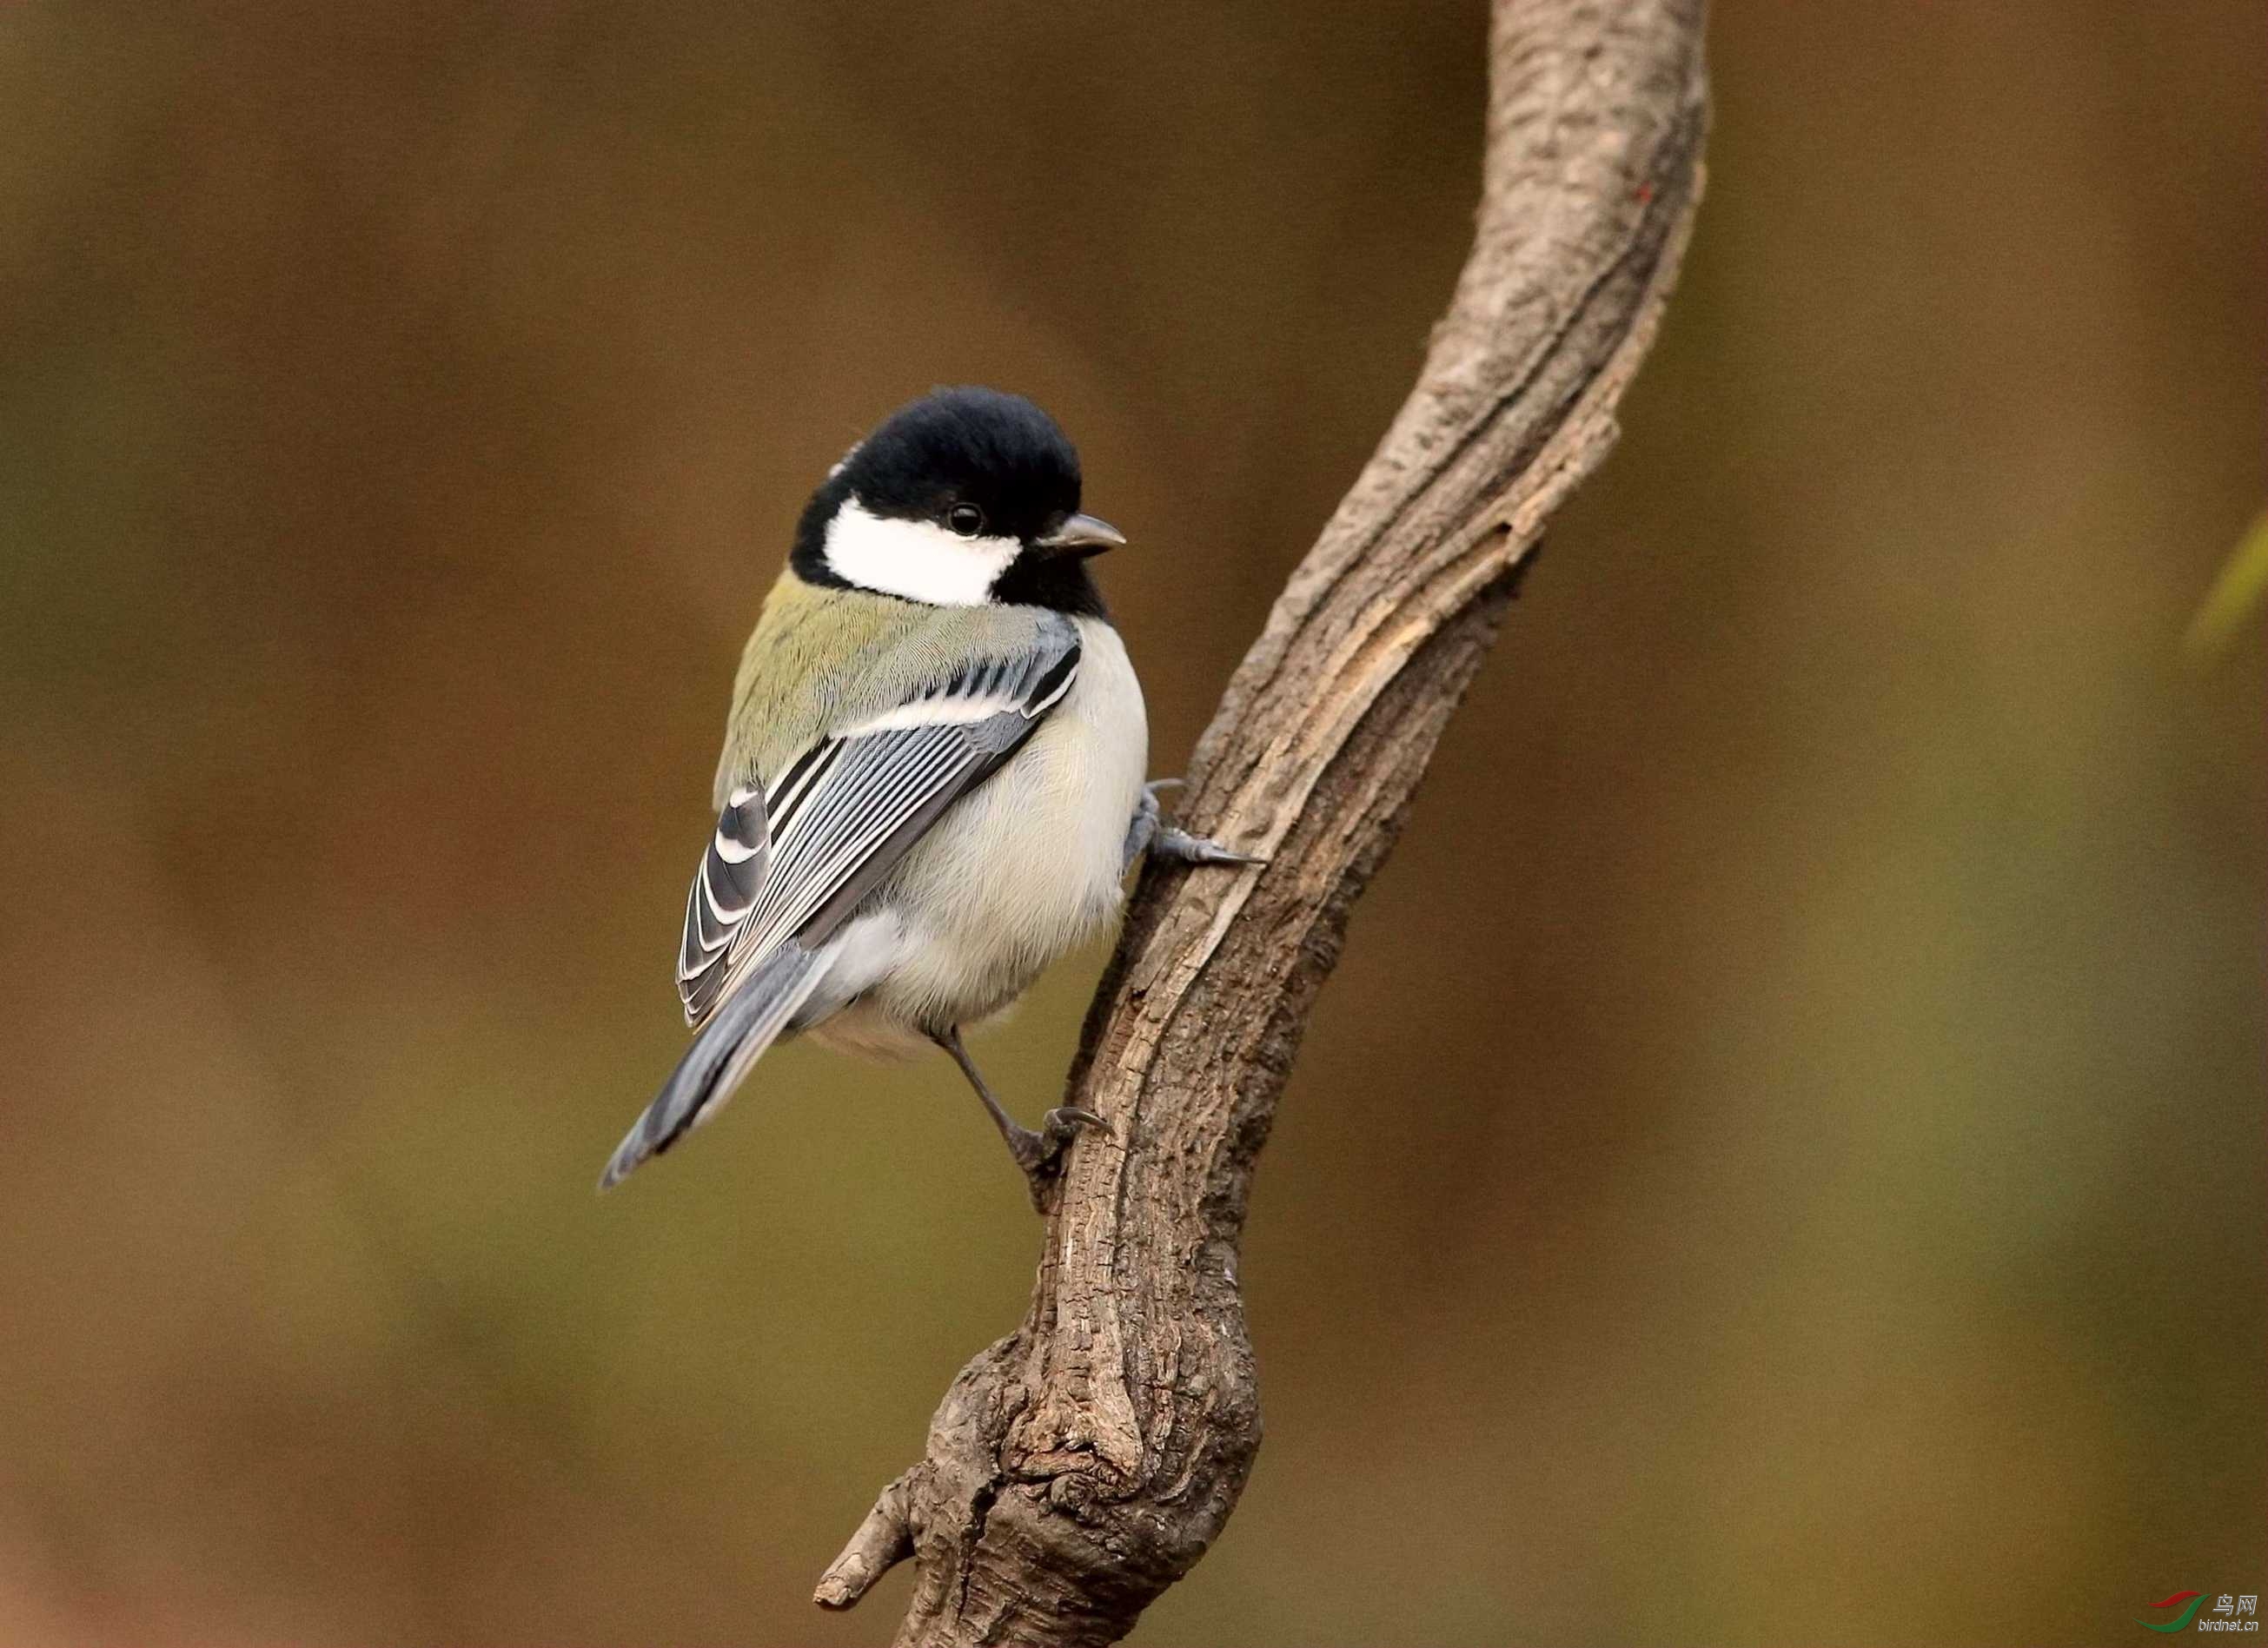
x=791 y=858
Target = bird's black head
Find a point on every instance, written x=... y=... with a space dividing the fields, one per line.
x=963 y=497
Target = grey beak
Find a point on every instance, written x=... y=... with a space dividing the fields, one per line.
x=1082 y=535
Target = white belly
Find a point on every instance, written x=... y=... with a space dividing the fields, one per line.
x=1024 y=868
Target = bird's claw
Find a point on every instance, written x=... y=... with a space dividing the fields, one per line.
x=1040 y=1154
x=1150 y=832
x=1173 y=842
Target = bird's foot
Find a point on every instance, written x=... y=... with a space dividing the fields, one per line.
x=1041 y=1154
x=1150 y=832
x=1176 y=844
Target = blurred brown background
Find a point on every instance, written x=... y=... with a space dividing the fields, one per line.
x=1782 y=1162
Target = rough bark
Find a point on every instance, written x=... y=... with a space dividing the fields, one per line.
x=1084 y=1463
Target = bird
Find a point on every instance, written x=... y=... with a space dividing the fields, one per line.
x=932 y=784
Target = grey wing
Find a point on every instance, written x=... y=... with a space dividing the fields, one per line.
x=845 y=812
x=723 y=894
x=787 y=865
x=793 y=858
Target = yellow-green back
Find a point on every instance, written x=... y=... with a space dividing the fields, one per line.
x=822 y=659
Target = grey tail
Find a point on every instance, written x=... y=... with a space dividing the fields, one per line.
x=748 y=1020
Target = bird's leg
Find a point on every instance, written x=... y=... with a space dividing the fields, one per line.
x=1144 y=826
x=1149 y=831
x=1039 y=1154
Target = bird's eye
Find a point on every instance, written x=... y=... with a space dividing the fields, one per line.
x=965 y=519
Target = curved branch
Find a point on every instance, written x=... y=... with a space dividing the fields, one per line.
x=1083 y=1464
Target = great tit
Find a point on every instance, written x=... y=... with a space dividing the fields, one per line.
x=932 y=778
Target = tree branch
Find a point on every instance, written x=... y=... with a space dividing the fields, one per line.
x=1083 y=1464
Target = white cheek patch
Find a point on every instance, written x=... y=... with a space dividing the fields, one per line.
x=917 y=559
